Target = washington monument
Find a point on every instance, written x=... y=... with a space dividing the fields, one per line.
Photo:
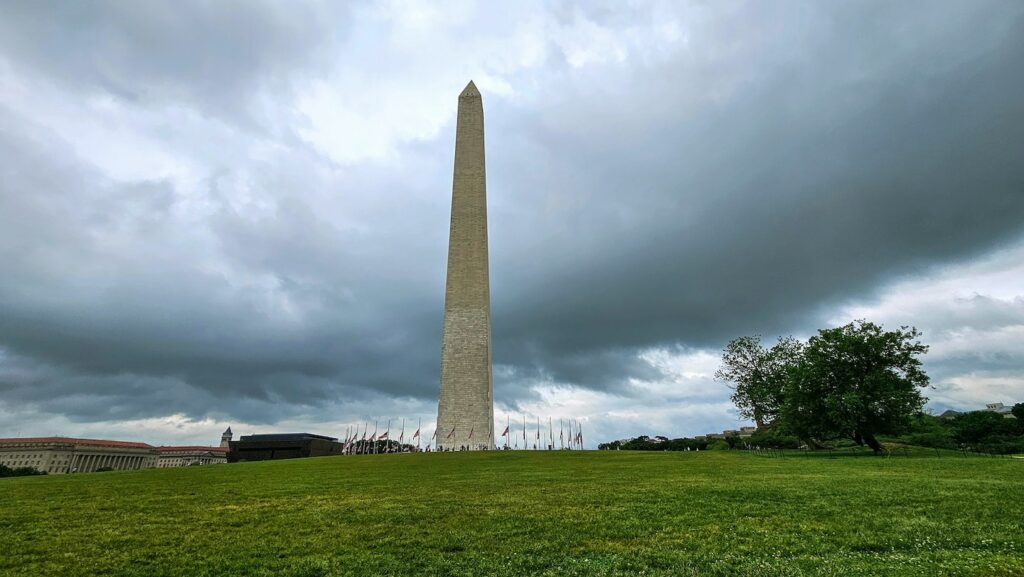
x=465 y=411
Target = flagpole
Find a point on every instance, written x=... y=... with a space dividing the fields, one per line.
x=419 y=434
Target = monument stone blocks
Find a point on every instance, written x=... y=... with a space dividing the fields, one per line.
x=465 y=414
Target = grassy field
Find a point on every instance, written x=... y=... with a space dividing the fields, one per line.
x=583 y=513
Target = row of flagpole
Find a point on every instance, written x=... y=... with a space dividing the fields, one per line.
x=570 y=437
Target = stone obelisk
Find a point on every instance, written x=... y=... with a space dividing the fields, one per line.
x=465 y=411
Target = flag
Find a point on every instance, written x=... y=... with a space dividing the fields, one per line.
x=383 y=435
x=451 y=433
x=416 y=434
x=471 y=429
x=373 y=437
x=505 y=433
x=434 y=436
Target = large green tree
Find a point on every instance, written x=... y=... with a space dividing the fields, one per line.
x=856 y=380
x=758 y=375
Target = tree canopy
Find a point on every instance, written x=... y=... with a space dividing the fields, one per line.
x=856 y=380
x=759 y=374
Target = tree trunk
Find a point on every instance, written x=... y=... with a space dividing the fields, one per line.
x=857 y=438
x=872 y=442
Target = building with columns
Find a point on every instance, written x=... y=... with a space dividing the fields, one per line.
x=191 y=455
x=57 y=455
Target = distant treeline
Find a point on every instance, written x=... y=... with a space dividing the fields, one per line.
x=978 y=431
x=765 y=438
x=6 y=471
x=645 y=443
x=981 y=431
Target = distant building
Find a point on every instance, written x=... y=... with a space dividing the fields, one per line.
x=747 y=431
x=191 y=455
x=282 y=446
x=58 y=455
x=1001 y=409
x=225 y=438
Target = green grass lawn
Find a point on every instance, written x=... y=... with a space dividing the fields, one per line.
x=522 y=513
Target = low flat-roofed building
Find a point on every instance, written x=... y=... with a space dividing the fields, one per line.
x=282 y=446
x=57 y=455
x=747 y=431
x=191 y=455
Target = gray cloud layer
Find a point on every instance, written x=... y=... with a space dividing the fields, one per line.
x=784 y=159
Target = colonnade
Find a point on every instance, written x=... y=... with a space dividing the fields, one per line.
x=87 y=463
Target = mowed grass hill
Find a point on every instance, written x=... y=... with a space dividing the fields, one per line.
x=525 y=513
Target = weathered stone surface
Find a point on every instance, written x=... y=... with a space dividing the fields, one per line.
x=466 y=403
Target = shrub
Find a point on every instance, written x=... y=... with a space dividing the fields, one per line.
x=770 y=438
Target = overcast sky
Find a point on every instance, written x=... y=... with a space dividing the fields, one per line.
x=218 y=213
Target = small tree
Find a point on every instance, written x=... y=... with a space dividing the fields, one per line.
x=759 y=375
x=856 y=380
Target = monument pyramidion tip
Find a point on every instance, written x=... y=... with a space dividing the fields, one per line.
x=470 y=91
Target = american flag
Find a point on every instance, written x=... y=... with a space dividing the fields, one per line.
x=505 y=433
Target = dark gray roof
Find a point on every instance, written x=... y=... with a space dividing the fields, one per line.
x=286 y=437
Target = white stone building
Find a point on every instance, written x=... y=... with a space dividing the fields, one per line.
x=56 y=455
x=999 y=408
x=191 y=455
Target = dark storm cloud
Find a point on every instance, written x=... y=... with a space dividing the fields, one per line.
x=211 y=55
x=811 y=154
x=816 y=182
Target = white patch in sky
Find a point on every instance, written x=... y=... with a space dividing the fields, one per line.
x=972 y=317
